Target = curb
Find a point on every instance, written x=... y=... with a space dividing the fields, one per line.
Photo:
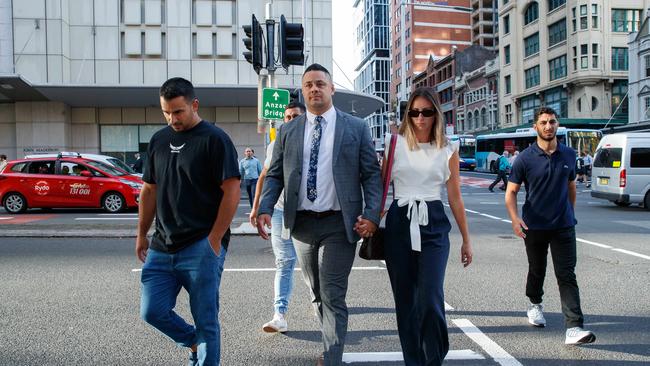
x=243 y=229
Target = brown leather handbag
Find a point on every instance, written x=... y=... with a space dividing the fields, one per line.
x=372 y=248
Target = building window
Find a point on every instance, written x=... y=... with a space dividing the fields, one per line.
x=594 y=16
x=407 y=34
x=408 y=65
x=575 y=58
x=584 y=19
x=506 y=54
x=625 y=20
x=529 y=105
x=557 y=68
x=557 y=99
x=408 y=16
x=408 y=48
x=619 y=59
x=508 y=113
x=531 y=45
x=594 y=55
x=573 y=19
x=557 y=32
x=532 y=13
x=554 y=4
x=506 y=24
x=408 y=82
x=398 y=72
x=594 y=103
x=532 y=76
x=647 y=66
x=619 y=89
x=584 y=56
x=506 y=82
x=646 y=112
x=398 y=88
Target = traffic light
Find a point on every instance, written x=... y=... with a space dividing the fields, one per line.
x=291 y=43
x=253 y=43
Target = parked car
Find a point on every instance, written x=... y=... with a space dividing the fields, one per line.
x=621 y=169
x=106 y=159
x=66 y=181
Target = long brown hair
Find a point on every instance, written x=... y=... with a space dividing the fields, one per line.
x=437 y=135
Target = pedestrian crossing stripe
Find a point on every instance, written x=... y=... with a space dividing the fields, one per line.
x=359 y=357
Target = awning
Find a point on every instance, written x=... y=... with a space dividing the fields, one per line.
x=13 y=88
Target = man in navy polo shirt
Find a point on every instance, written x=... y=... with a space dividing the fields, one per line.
x=547 y=168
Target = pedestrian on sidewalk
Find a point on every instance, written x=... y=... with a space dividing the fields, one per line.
x=323 y=160
x=283 y=249
x=589 y=162
x=417 y=228
x=3 y=161
x=191 y=186
x=250 y=169
x=503 y=166
x=547 y=168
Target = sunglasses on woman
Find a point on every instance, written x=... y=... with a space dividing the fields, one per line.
x=414 y=113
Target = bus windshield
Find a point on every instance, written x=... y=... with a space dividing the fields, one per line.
x=584 y=140
x=466 y=151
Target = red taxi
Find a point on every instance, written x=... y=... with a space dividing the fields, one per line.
x=66 y=181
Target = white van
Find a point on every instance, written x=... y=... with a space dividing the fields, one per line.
x=114 y=162
x=621 y=169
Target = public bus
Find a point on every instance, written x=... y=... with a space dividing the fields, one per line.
x=467 y=149
x=490 y=147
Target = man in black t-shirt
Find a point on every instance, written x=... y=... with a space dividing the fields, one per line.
x=191 y=185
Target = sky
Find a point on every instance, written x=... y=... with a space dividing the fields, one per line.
x=342 y=43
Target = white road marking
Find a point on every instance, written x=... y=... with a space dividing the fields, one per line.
x=593 y=243
x=490 y=203
x=118 y=214
x=631 y=253
x=6 y=218
x=104 y=218
x=351 y=357
x=448 y=307
x=489 y=346
x=490 y=216
x=624 y=251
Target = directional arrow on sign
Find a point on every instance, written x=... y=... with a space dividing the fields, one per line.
x=276 y=96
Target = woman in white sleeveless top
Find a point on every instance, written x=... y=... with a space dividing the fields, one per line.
x=417 y=229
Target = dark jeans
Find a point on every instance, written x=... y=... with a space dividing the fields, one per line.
x=250 y=189
x=501 y=175
x=563 y=253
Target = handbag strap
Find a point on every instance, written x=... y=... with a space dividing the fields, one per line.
x=389 y=168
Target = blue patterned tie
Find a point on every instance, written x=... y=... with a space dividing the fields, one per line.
x=313 y=159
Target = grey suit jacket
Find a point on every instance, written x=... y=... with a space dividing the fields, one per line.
x=354 y=165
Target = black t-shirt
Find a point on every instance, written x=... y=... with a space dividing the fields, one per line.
x=188 y=169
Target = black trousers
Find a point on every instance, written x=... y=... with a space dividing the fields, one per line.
x=501 y=175
x=250 y=189
x=563 y=252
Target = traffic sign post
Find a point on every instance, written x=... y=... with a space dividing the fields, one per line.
x=274 y=102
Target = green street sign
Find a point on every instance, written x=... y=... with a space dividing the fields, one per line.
x=274 y=102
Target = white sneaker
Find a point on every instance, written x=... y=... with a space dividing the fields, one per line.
x=535 y=315
x=277 y=324
x=577 y=335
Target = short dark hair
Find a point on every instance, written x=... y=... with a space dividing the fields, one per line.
x=544 y=110
x=318 y=67
x=3 y=156
x=296 y=104
x=177 y=87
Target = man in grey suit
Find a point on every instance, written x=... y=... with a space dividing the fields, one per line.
x=323 y=160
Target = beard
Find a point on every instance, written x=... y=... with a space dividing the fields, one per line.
x=545 y=138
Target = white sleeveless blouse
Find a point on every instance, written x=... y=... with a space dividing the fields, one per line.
x=419 y=176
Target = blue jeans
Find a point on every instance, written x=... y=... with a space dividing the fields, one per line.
x=285 y=261
x=197 y=269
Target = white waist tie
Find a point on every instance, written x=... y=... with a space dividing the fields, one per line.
x=418 y=214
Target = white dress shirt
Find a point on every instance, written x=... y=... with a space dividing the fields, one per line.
x=326 y=198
